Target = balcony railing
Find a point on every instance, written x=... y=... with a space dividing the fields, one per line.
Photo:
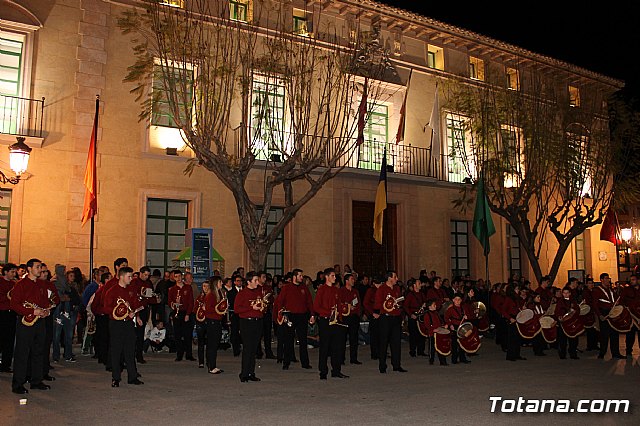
x=21 y=116
x=401 y=159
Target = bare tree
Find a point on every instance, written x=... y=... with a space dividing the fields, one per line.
x=549 y=164
x=255 y=88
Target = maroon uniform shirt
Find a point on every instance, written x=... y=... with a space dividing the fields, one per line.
x=564 y=306
x=412 y=302
x=27 y=290
x=437 y=294
x=295 y=299
x=545 y=296
x=116 y=292
x=210 y=303
x=432 y=321
x=186 y=298
x=326 y=298
x=630 y=296
x=381 y=296
x=5 y=287
x=509 y=308
x=370 y=300
x=243 y=303
x=454 y=316
x=137 y=285
x=603 y=300
x=348 y=297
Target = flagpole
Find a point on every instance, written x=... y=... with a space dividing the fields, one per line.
x=95 y=157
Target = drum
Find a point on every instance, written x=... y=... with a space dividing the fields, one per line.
x=589 y=320
x=423 y=328
x=468 y=338
x=635 y=312
x=528 y=324
x=442 y=340
x=620 y=319
x=484 y=324
x=548 y=329
x=572 y=324
x=551 y=310
x=444 y=307
x=584 y=309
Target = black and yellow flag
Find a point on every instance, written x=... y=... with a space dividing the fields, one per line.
x=381 y=201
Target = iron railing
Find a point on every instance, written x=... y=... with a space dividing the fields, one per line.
x=21 y=116
x=401 y=159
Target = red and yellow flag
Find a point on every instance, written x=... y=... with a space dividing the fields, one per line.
x=90 y=177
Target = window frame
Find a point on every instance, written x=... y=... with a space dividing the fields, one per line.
x=455 y=259
x=6 y=194
x=272 y=252
x=476 y=68
x=234 y=5
x=510 y=73
x=435 y=57
x=264 y=146
x=458 y=164
x=166 y=233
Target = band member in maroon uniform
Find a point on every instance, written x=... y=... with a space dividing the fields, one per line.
x=181 y=303
x=374 y=323
x=390 y=323
x=122 y=304
x=591 y=332
x=546 y=295
x=249 y=307
x=200 y=321
x=433 y=321
x=453 y=317
x=215 y=307
x=412 y=304
x=630 y=297
x=350 y=298
x=603 y=301
x=437 y=293
x=332 y=336
x=138 y=286
x=30 y=301
x=295 y=298
x=267 y=323
x=538 y=341
x=509 y=312
x=7 y=317
x=565 y=307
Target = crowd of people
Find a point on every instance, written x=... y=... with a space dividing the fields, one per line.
x=118 y=317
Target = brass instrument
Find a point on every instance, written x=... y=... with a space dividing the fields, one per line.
x=9 y=293
x=479 y=309
x=31 y=319
x=123 y=309
x=91 y=324
x=262 y=303
x=222 y=307
x=200 y=312
x=391 y=303
x=283 y=318
x=175 y=306
x=335 y=317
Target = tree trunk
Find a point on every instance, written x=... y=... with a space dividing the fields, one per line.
x=258 y=256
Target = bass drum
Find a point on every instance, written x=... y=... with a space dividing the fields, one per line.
x=620 y=319
x=423 y=328
x=548 y=329
x=484 y=324
x=635 y=313
x=468 y=338
x=530 y=328
x=442 y=340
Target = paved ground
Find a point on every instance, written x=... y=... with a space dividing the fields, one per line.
x=180 y=393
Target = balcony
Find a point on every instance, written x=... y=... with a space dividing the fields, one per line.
x=21 y=117
x=401 y=159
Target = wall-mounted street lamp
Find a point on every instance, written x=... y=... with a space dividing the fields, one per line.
x=18 y=161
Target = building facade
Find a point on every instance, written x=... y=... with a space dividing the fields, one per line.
x=57 y=55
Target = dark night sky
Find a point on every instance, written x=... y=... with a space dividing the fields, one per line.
x=604 y=41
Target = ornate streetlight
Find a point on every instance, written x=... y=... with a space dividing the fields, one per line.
x=18 y=160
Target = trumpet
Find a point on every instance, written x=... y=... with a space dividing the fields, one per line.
x=175 y=306
x=31 y=319
x=335 y=317
x=283 y=318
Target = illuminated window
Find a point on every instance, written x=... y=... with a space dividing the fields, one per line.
x=179 y=82
x=476 y=68
x=460 y=149
x=300 y=22
x=574 y=96
x=173 y=3
x=238 y=10
x=376 y=135
x=581 y=262
x=513 y=79
x=268 y=117
x=435 y=57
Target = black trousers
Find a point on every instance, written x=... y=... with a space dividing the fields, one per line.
x=299 y=329
x=457 y=353
x=538 y=344
x=144 y=316
x=332 y=341
x=214 y=334
x=28 y=352
x=102 y=339
x=416 y=340
x=183 y=334
x=630 y=339
x=390 y=335
x=608 y=337
x=281 y=334
x=592 y=338
x=122 y=336
x=48 y=341
x=432 y=352
x=563 y=339
x=374 y=337
x=513 y=341
x=267 y=327
x=7 y=338
x=353 y=321
x=250 y=331
x=234 y=334
x=201 y=332
x=502 y=333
